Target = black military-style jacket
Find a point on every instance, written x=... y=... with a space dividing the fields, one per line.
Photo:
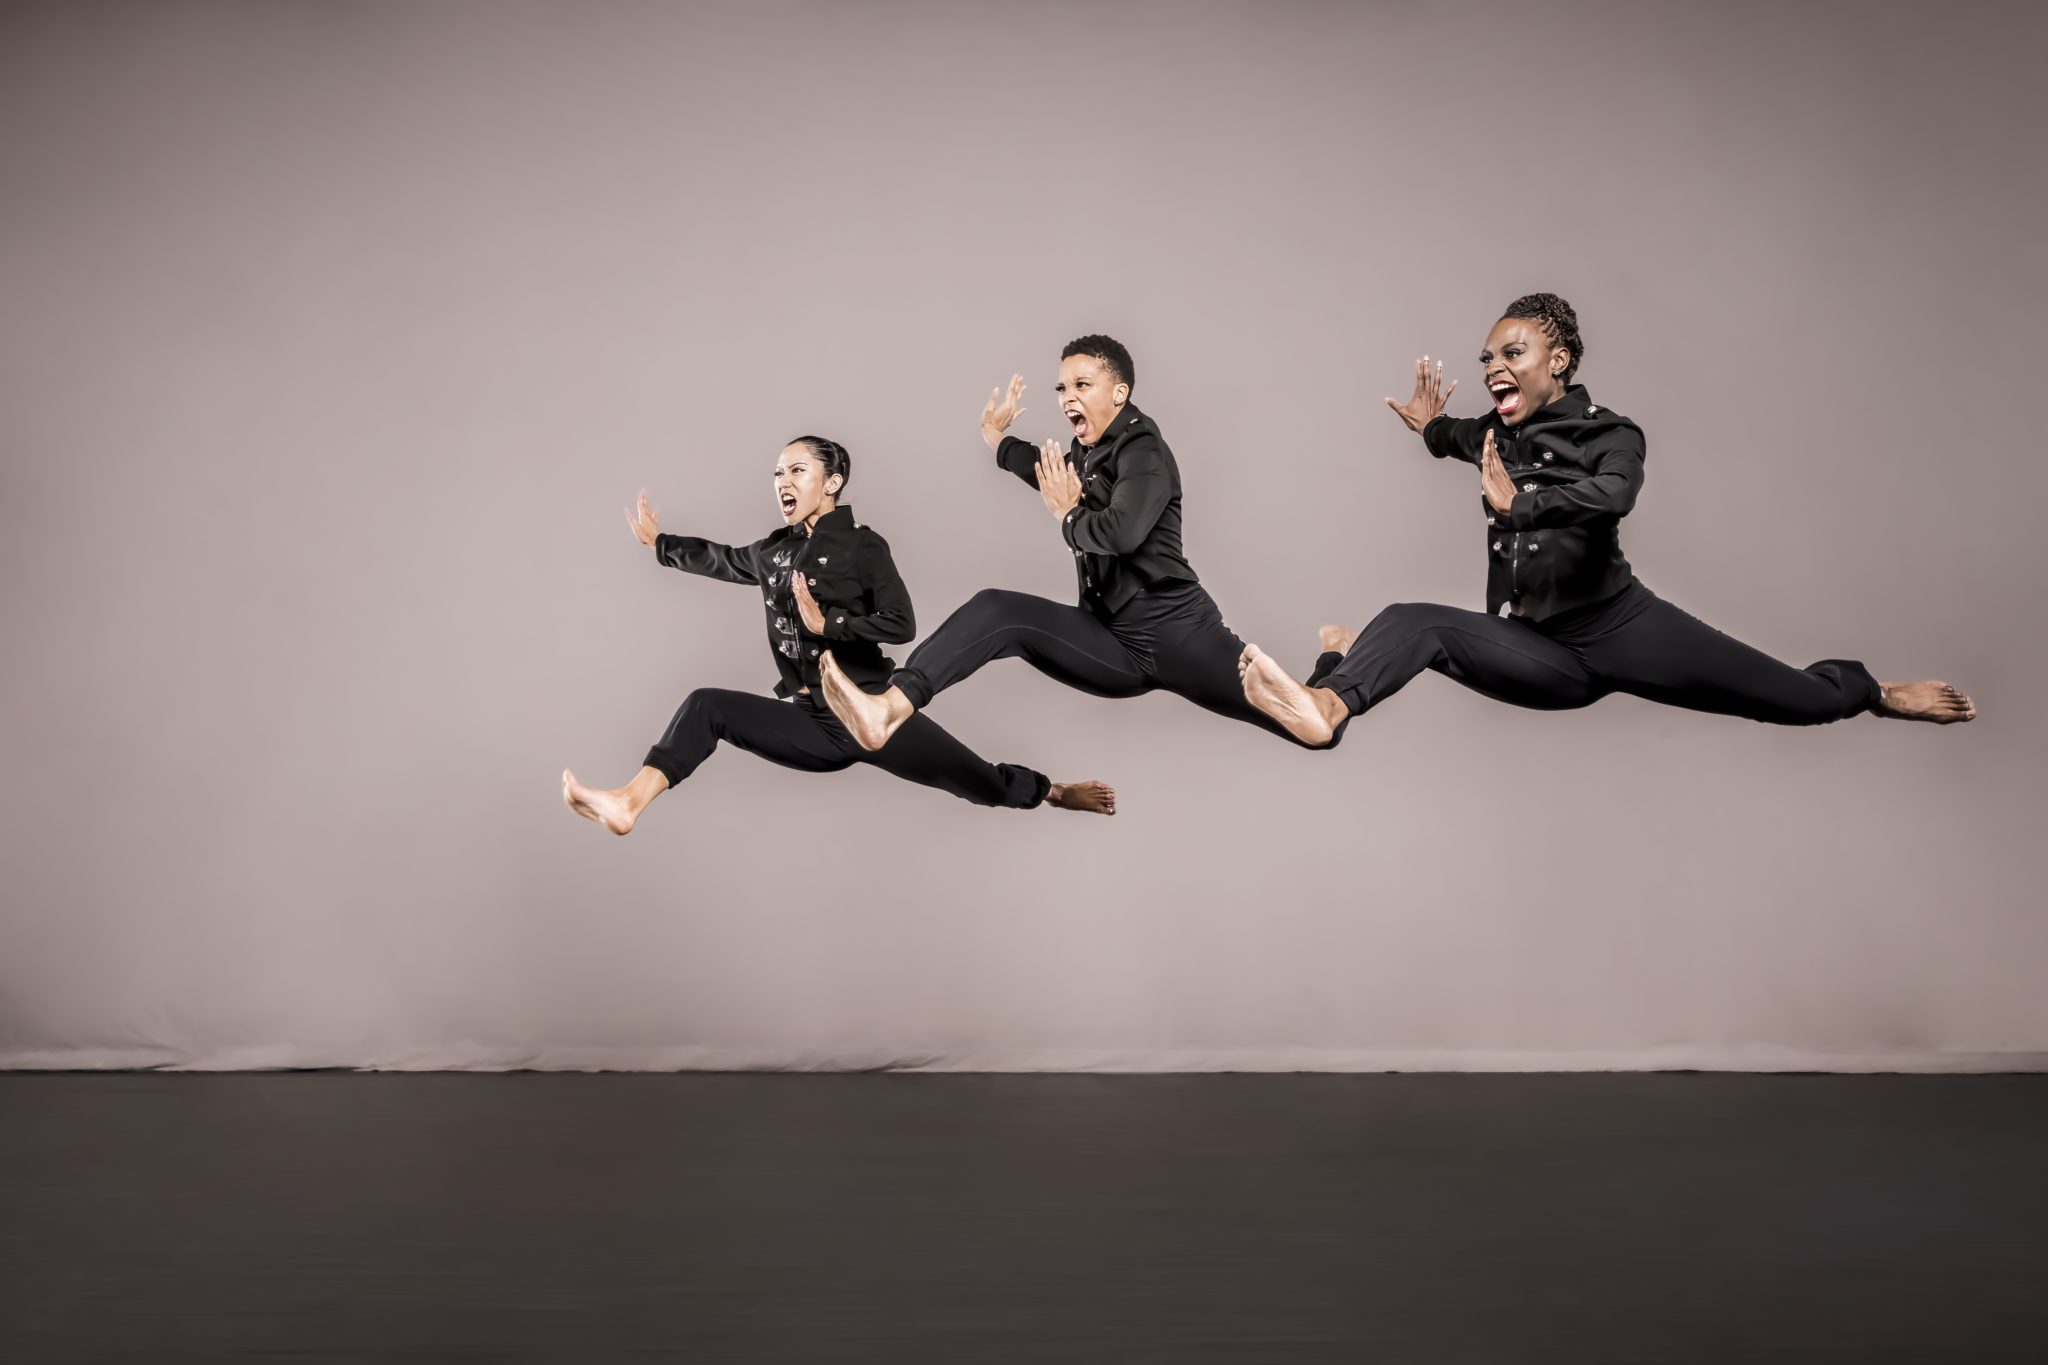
x=1125 y=531
x=1577 y=469
x=849 y=571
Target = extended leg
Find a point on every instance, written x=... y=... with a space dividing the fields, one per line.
x=924 y=752
x=774 y=730
x=1065 y=643
x=1666 y=655
x=1197 y=656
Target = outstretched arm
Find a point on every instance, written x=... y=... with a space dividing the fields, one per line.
x=1019 y=457
x=1423 y=413
x=727 y=563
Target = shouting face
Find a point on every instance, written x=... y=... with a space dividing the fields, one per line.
x=1524 y=370
x=1090 y=396
x=803 y=491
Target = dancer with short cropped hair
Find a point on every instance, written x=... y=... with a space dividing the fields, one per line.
x=1144 y=620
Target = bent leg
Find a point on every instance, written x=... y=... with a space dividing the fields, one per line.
x=1496 y=656
x=1197 y=656
x=923 y=752
x=1067 y=644
x=775 y=730
x=1665 y=655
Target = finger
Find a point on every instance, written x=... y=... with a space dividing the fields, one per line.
x=1451 y=390
x=988 y=409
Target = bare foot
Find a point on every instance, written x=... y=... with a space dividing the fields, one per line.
x=615 y=810
x=1336 y=639
x=870 y=719
x=1098 y=797
x=1310 y=714
x=1929 y=701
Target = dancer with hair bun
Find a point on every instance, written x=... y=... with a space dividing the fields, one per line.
x=826 y=582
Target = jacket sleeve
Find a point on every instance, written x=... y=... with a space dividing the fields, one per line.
x=1020 y=458
x=726 y=563
x=1455 y=438
x=1144 y=485
x=891 y=622
x=1610 y=491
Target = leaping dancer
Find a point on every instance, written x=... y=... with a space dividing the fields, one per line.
x=1567 y=621
x=826 y=581
x=1144 y=620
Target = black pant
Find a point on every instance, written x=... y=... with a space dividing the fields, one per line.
x=1171 y=637
x=801 y=733
x=1634 y=642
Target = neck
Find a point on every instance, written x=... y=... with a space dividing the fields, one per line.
x=1115 y=413
x=825 y=508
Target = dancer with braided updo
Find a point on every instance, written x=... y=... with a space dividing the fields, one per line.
x=1567 y=621
x=825 y=581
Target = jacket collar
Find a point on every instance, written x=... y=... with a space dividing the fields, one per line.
x=835 y=522
x=1125 y=419
x=1571 y=406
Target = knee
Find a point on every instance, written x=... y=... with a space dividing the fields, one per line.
x=993 y=601
x=705 y=706
x=1404 y=616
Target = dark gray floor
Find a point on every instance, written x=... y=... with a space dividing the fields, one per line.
x=1255 y=1219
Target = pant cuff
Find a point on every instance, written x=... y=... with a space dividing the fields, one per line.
x=664 y=765
x=1326 y=664
x=914 y=687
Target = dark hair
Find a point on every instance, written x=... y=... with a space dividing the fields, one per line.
x=1558 y=322
x=1108 y=350
x=830 y=454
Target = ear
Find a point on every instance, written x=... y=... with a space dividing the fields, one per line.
x=834 y=484
x=1122 y=394
x=1560 y=361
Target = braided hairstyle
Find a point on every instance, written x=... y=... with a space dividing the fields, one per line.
x=1558 y=322
x=832 y=456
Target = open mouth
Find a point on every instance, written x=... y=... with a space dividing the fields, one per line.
x=788 y=501
x=1079 y=421
x=1507 y=399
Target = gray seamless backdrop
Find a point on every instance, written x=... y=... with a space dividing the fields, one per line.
x=338 y=336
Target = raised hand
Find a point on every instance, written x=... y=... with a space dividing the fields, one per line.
x=997 y=416
x=1426 y=404
x=1058 y=484
x=642 y=520
x=806 y=605
x=1493 y=477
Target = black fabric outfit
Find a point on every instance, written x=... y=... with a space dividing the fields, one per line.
x=849 y=571
x=1567 y=622
x=1144 y=621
